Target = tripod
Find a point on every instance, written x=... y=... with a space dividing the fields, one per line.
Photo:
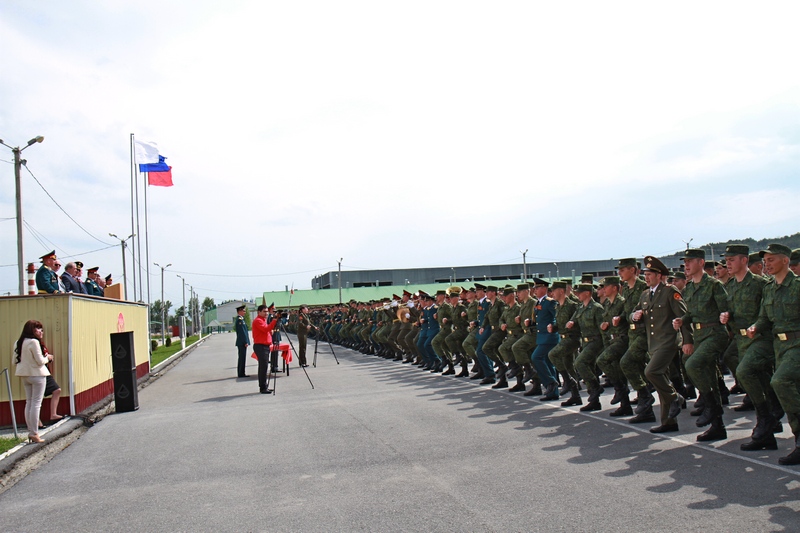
x=295 y=351
x=316 y=345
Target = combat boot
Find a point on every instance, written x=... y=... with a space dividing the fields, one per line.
x=567 y=380
x=520 y=386
x=513 y=370
x=488 y=380
x=464 y=370
x=536 y=388
x=575 y=395
x=527 y=373
x=550 y=393
x=450 y=369
x=794 y=457
x=624 y=408
x=645 y=416
x=479 y=374
x=620 y=389
x=724 y=393
x=502 y=383
x=715 y=432
x=699 y=405
x=764 y=423
x=746 y=405
x=501 y=371
x=437 y=367
x=711 y=412
x=753 y=445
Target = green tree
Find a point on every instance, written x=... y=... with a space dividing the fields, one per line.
x=208 y=304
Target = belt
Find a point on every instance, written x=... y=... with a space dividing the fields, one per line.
x=619 y=336
x=788 y=336
x=568 y=336
x=590 y=339
x=636 y=326
x=743 y=332
x=705 y=325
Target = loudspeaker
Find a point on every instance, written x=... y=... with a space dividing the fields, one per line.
x=122 y=356
x=126 y=394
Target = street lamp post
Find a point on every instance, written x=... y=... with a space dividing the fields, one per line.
x=18 y=184
x=524 y=265
x=340 y=280
x=183 y=316
x=163 y=330
x=123 y=244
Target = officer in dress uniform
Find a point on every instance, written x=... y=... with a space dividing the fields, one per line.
x=242 y=340
x=46 y=278
x=545 y=315
x=92 y=288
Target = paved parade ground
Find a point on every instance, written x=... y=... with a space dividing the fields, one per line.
x=382 y=446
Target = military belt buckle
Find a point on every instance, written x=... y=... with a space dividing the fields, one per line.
x=697 y=326
x=633 y=326
x=586 y=339
x=743 y=332
x=782 y=336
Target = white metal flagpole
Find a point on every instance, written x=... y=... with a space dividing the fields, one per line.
x=134 y=218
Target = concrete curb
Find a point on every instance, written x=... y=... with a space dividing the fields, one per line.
x=27 y=457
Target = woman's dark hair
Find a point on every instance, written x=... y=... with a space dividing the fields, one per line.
x=28 y=332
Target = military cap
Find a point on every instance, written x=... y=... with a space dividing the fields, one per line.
x=480 y=287
x=241 y=307
x=406 y=293
x=723 y=262
x=679 y=274
x=395 y=297
x=352 y=301
x=539 y=282
x=423 y=294
x=108 y=278
x=794 y=259
x=654 y=264
x=754 y=258
x=611 y=280
x=713 y=263
x=587 y=277
x=566 y=281
x=601 y=284
x=272 y=305
x=775 y=248
x=470 y=289
x=736 y=249
x=523 y=287
x=454 y=291
x=584 y=287
x=492 y=288
x=694 y=253
x=559 y=285
x=79 y=265
x=93 y=270
x=627 y=262
x=441 y=292
x=508 y=290
x=48 y=255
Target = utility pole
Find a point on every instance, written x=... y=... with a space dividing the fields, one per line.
x=123 y=244
x=183 y=316
x=524 y=265
x=340 y=280
x=18 y=184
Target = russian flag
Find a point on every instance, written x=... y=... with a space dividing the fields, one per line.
x=158 y=174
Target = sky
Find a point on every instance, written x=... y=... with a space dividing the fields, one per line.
x=394 y=135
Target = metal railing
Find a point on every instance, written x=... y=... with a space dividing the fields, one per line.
x=11 y=402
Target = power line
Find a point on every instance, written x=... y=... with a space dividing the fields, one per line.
x=232 y=275
x=62 y=209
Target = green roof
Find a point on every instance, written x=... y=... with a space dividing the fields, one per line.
x=323 y=297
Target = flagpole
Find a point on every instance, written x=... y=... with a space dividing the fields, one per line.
x=134 y=188
x=147 y=239
x=138 y=243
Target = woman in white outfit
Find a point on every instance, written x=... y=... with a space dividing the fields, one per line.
x=31 y=367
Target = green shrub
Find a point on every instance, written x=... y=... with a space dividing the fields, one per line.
x=168 y=342
x=153 y=345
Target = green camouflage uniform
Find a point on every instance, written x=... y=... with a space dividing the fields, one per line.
x=524 y=346
x=563 y=355
x=635 y=358
x=513 y=331
x=589 y=317
x=616 y=340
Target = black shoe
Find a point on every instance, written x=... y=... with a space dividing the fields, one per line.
x=265 y=391
x=791 y=459
x=715 y=432
x=622 y=410
x=592 y=406
x=710 y=412
x=641 y=418
x=449 y=372
x=502 y=384
x=551 y=393
x=487 y=380
x=768 y=443
x=675 y=406
x=665 y=428
x=479 y=375
x=645 y=402
x=746 y=405
x=242 y=376
x=519 y=387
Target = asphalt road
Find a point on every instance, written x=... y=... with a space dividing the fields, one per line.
x=381 y=446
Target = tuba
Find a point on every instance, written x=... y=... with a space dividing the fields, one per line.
x=402 y=311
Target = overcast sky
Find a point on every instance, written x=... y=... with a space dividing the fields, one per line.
x=402 y=134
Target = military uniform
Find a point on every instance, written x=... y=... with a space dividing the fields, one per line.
x=444 y=318
x=616 y=346
x=545 y=315
x=512 y=331
x=588 y=317
x=242 y=342
x=780 y=309
x=523 y=348
x=46 y=279
x=635 y=359
x=563 y=354
x=456 y=339
x=491 y=323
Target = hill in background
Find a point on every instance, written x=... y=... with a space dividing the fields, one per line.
x=792 y=241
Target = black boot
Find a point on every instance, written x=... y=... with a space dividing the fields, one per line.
x=550 y=393
x=699 y=405
x=513 y=370
x=450 y=370
x=724 y=393
x=645 y=416
x=575 y=395
x=527 y=372
x=794 y=457
x=479 y=374
x=464 y=370
x=711 y=412
x=764 y=424
x=503 y=383
x=746 y=405
x=620 y=389
x=624 y=408
x=567 y=380
x=767 y=443
x=715 y=432
x=520 y=386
